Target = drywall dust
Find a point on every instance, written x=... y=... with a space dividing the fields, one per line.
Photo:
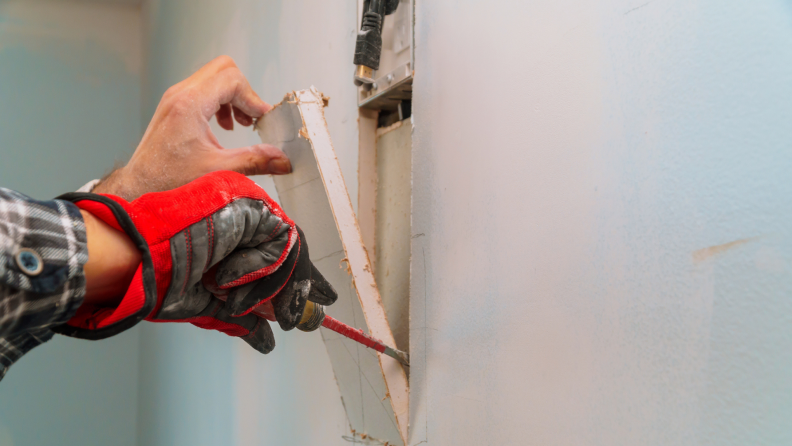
x=365 y=439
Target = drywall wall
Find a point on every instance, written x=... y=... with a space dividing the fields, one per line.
x=202 y=387
x=602 y=248
x=69 y=109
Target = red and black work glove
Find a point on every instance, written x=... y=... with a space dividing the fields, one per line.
x=222 y=233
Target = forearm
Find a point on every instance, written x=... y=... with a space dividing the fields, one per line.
x=112 y=262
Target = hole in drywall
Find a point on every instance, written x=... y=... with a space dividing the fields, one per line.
x=392 y=226
x=384 y=209
x=389 y=117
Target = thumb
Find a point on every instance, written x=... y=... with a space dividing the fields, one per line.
x=258 y=159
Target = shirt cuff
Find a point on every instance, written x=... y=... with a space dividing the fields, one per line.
x=43 y=248
x=89 y=186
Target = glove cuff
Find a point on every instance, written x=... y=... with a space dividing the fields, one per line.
x=141 y=296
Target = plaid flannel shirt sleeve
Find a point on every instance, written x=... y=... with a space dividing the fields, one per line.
x=42 y=252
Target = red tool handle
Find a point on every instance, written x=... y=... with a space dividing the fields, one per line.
x=266 y=311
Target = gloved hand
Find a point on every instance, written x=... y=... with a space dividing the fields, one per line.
x=221 y=230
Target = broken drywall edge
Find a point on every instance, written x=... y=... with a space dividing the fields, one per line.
x=383 y=130
x=311 y=127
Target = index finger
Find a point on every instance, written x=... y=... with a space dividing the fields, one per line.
x=221 y=82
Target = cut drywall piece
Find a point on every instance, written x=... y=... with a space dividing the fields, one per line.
x=373 y=386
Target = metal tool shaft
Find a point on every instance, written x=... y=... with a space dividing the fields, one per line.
x=367 y=340
x=313 y=313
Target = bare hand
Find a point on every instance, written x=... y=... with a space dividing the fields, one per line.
x=179 y=146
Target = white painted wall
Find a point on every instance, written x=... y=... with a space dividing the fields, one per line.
x=602 y=244
x=69 y=108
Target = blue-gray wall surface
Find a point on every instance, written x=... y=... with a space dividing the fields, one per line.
x=69 y=109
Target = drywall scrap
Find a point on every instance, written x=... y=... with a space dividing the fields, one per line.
x=373 y=386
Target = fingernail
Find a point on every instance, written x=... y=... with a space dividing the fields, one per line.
x=280 y=165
